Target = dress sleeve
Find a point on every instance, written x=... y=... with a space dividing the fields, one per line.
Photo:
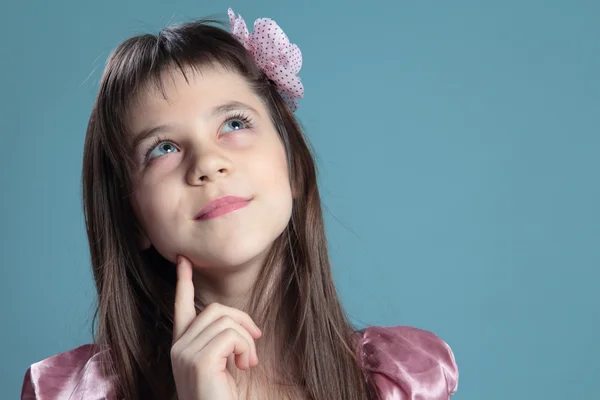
x=73 y=374
x=408 y=363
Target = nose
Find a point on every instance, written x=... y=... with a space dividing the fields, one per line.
x=209 y=167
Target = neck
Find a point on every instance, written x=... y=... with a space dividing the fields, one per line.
x=233 y=287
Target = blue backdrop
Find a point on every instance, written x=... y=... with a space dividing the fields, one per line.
x=458 y=162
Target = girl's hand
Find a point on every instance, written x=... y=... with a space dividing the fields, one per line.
x=202 y=343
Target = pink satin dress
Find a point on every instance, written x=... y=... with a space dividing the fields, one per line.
x=406 y=364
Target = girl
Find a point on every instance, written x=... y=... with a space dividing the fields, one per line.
x=207 y=239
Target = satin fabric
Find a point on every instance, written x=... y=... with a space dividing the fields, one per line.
x=71 y=375
x=405 y=363
x=408 y=363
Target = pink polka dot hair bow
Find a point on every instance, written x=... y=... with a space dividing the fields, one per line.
x=273 y=53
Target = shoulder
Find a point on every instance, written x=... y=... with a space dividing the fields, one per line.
x=407 y=363
x=75 y=372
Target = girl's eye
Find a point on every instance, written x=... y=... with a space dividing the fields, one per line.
x=158 y=144
x=236 y=122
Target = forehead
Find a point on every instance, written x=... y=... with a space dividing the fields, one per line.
x=203 y=89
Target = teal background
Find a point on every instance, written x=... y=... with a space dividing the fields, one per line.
x=458 y=147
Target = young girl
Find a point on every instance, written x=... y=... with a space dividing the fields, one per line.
x=207 y=240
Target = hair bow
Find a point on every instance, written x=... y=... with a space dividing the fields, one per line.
x=273 y=53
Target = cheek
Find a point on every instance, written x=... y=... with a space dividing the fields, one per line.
x=271 y=170
x=154 y=203
x=270 y=174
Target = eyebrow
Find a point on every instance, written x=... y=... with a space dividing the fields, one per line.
x=215 y=112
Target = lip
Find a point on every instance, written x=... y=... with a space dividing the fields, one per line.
x=221 y=206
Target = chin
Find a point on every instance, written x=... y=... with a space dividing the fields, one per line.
x=249 y=241
x=234 y=255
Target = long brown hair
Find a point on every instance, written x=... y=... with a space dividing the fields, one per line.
x=134 y=314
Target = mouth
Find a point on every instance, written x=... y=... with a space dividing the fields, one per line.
x=221 y=206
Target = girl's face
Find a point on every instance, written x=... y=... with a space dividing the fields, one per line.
x=212 y=138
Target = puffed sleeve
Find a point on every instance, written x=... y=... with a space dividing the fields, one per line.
x=73 y=374
x=408 y=363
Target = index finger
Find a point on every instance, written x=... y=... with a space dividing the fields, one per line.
x=185 y=310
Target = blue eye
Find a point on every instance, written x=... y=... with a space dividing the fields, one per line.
x=236 y=118
x=234 y=121
x=155 y=145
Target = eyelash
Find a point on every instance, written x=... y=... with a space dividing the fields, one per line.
x=159 y=139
